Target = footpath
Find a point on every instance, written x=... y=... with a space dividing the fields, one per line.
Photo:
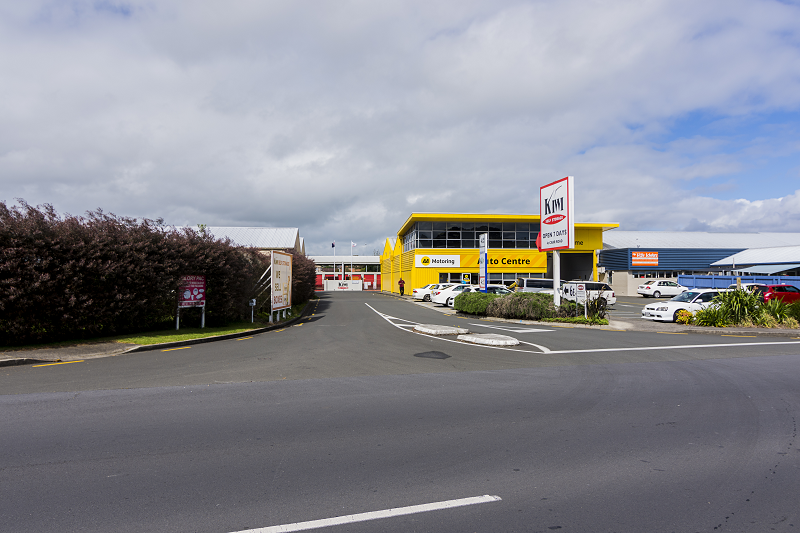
x=91 y=350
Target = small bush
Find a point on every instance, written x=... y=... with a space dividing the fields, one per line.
x=685 y=317
x=523 y=305
x=793 y=310
x=790 y=323
x=474 y=303
x=736 y=306
x=714 y=316
x=776 y=309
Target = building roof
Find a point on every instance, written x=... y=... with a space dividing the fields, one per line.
x=696 y=239
x=778 y=255
x=360 y=259
x=488 y=217
x=263 y=238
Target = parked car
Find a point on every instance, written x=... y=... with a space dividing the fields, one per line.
x=442 y=296
x=595 y=290
x=423 y=293
x=533 y=284
x=427 y=294
x=657 y=289
x=692 y=300
x=787 y=293
x=490 y=289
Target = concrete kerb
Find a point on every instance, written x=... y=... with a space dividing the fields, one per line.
x=13 y=361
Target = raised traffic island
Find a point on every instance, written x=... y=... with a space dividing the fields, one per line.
x=432 y=329
x=489 y=339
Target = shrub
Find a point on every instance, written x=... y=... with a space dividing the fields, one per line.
x=737 y=305
x=685 y=317
x=790 y=323
x=474 y=303
x=522 y=305
x=713 y=316
x=776 y=309
x=793 y=310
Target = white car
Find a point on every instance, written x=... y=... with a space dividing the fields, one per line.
x=424 y=293
x=595 y=290
x=657 y=289
x=691 y=300
x=490 y=289
x=443 y=296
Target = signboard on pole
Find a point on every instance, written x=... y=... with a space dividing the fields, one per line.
x=556 y=208
x=483 y=261
x=192 y=292
x=281 y=296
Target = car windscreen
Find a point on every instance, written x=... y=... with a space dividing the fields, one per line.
x=687 y=296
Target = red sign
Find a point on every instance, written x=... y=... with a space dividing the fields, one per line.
x=192 y=292
x=644 y=258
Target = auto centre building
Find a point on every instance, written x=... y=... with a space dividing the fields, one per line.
x=630 y=257
x=443 y=247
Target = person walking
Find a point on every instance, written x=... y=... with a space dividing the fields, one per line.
x=402 y=285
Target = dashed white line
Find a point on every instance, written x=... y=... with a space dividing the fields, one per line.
x=374 y=515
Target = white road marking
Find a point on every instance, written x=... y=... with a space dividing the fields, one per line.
x=599 y=350
x=512 y=329
x=542 y=348
x=375 y=515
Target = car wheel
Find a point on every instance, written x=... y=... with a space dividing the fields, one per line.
x=426 y=298
x=656 y=294
x=449 y=302
x=675 y=316
x=603 y=303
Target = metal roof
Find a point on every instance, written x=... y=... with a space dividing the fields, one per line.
x=779 y=255
x=766 y=269
x=696 y=239
x=264 y=238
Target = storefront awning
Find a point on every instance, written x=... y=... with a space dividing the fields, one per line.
x=766 y=269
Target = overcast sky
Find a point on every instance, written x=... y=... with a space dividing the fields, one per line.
x=343 y=117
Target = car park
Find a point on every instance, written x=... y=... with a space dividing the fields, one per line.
x=691 y=300
x=424 y=293
x=657 y=289
x=595 y=290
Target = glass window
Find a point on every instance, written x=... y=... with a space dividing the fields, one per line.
x=439 y=234
x=495 y=244
x=522 y=235
x=439 y=226
x=426 y=244
x=454 y=244
x=453 y=235
x=422 y=235
x=496 y=235
x=495 y=226
x=509 y=244
x=524 y=244
x=439 y=243
x=425 y=226
x=470 y=244
x=482 y=228
x=495 y=277
x=509 y=226
x=467 y=226
x=523 y=227
x=468 y=235
x=453 y=226
x=509 y=235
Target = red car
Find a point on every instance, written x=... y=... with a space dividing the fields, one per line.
x=787 y=293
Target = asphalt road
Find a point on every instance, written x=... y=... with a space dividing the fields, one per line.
x=350 y=412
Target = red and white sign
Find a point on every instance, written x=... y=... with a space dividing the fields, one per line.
x=644 y=258
x=281 y=281
x=557 y=214
x=192 y=292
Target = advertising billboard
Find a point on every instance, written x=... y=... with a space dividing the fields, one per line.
x=437 y=261
x=192 y=292
x=644 y=258
x=557 y=215
x=281 y=296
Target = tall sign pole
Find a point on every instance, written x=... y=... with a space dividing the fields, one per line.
x=483 y=261
x=557 y=226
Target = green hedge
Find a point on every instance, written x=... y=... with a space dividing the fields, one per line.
x=474 y=303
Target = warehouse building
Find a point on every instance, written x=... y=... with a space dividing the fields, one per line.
x=443 y=247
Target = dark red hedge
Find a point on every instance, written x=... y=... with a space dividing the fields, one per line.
x=78 y=277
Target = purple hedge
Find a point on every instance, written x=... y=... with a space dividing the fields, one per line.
x=78 y=277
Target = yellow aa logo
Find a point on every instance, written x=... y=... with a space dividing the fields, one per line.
x=426 y=260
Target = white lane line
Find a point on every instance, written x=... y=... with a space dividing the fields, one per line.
x=374 y=515
x=598 y=350
x=512 y=329
x=544 y=349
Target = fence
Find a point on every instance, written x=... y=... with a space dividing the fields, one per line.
x=723 y=282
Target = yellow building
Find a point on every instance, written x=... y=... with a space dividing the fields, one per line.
x=442 y=247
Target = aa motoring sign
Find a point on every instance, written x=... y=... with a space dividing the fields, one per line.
x=281 y=281
x=557 y=215
x=437 y=261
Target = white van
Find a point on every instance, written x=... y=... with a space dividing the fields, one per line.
x=533 y=284
x=594 y=290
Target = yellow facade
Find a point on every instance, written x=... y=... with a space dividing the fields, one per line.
x=416 y=268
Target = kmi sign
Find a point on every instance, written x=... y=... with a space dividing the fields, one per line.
x=556 y=208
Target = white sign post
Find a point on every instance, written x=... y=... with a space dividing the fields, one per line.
x=483 y=263
x=281 y=294
x=557 y=231
x=581 y=295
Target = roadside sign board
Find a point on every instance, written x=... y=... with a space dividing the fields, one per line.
x=556 y=208
x=483 y=261
x=580 y=292
x=281 y=296
x=192 y=292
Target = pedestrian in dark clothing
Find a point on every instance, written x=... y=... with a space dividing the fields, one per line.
x=402 y=285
